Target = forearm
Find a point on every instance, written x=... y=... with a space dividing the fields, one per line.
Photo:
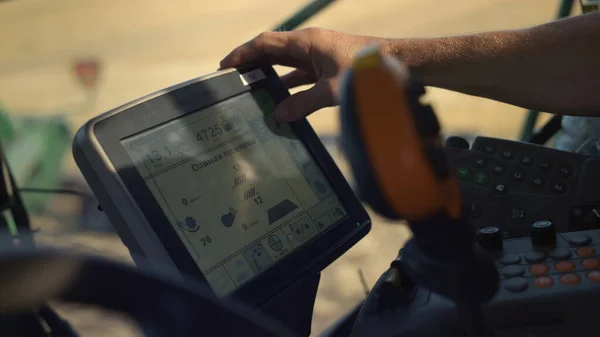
x=553 y=67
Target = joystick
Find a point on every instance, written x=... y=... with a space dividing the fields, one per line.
x=543 y=234
x=414 y=184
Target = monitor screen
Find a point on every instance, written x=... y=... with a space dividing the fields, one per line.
x=241 y=190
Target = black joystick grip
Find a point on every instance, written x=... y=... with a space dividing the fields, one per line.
x=457 y=142
x=490 y=238
x=543 y=234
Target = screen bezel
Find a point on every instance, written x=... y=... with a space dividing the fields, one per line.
x=173 y=104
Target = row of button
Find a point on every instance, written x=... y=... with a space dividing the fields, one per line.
x=519 y=284
x=563 y=171
x=557 y=254
x=540 y=269
x=482 y=179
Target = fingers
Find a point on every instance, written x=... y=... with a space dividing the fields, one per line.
x=284 y=48
x=297 y=78
x=303 y=103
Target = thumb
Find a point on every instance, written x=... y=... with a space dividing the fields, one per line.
x=303 y=103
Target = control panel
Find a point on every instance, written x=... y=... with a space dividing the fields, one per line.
x=510 y=185
x=550 y=286
x=545 y=260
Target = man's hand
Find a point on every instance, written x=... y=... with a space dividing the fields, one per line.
x=319 y=56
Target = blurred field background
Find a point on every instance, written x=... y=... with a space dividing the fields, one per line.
x=145 y=45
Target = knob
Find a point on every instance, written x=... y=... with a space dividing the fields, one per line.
x=457 y=142
x=543 y=233
x=490 y=238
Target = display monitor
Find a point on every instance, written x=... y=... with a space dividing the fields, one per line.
x=240 y=189
x=203 y=177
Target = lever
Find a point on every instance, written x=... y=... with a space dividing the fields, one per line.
x=394 y=147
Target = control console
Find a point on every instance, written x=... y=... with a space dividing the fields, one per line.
x=550 y=286
x=511 y=185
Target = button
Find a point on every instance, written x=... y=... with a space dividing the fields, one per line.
x=545 y=166
x=535 y=257
x=473 y=210
x=462 y=172
x=510 y=259
x=499 y=169
x=539 y=269
x=579 y=239
x=585 y=251
x=590 y=263
x=489 y=149
x=480 y=162
x=543 y=282
x=516 y=284
x=490 y=238
x=570 y=279
x=526 y=161
x=594 y=276
x=517 y=215
x=559 y=188
x=512 y=271
x=543 y=233
x=481 y=178
x=560 y=254
x=518 y=175
x=565 y=266
x=500 y=189
x=507 y=154
x=565 y=172
x=538 y=182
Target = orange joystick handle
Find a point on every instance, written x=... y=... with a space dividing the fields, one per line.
x=394 y=147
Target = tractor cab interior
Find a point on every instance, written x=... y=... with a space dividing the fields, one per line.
x=231 y=217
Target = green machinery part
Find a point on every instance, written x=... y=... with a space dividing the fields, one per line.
x=302 y=15
x=35 y=147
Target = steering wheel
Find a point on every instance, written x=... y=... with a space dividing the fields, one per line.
x=161 y=306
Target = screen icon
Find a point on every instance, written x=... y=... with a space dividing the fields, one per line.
x=189 y=224
x=275 y=243
x=258 y=257
x=227 y=219
x=302 y=229
x=239 y=269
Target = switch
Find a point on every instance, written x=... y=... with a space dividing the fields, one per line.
x=490 y=238
x=543 y=233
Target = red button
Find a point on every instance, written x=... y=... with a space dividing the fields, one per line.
x=594 y=276
x=570 y=279
x=590 y=263
x=543 y=282
x=565 y=266
x=586 y=251
x=538 y=269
